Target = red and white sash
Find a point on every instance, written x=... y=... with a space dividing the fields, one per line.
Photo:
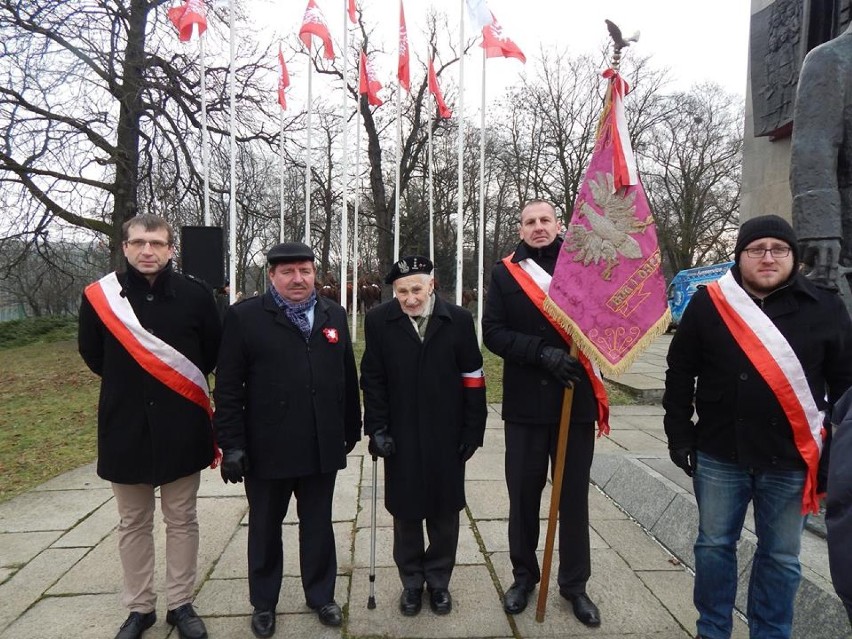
x=159 y=359
x=535 y=283
x=773 y=357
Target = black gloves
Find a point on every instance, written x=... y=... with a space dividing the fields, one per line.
x=234 y=465
x=566 y=369
x=684 y=458
x=466 y=451
x=381 y=444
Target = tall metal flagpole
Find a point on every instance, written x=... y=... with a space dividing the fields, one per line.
x=355 y=222
x=281 y=175
x=205 y=151
x=460 y=211
x=308 y=154
x=481 y=234
x=344 y=213
x=431 y=189
x=398 y=157
x=232 y=234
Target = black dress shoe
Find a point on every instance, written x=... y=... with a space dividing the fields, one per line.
x=440 y=601
x=330 y=615
x=135 y=624
x=263 y=623
x=410 y=601
x=515 y=599
x=584 y=608
x=188 y=623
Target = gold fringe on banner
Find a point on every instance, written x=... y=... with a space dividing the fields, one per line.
x=590 y=350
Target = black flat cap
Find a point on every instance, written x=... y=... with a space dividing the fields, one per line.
x=289 y=252
x=410 y=265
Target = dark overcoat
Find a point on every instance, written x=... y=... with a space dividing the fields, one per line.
x=515 y=330
x=739 y=418
x=148 y=433
x=838 y=502
x=414 y=389
x=292 y=404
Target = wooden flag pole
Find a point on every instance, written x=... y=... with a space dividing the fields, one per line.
x=555 y=496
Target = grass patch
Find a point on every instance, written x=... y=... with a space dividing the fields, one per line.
x=48 y=422
x=43 y=330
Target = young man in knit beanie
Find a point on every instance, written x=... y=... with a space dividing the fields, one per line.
x=759 y=356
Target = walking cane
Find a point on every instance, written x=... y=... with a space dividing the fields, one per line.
x=555 y=496
x=371 y=601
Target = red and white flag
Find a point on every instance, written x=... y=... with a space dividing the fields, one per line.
x=434 y=89
x=283 y=80
x=496 y=44
x=314 y=24
x=368 y=84
x=191 y=12
x=351 y=10
x=403 y=68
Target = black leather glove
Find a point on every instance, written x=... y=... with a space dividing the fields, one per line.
x=466 y=451
x=235 y=465
x=381 y=444
x=684 y=458
x=566 y=369
x=350 y=446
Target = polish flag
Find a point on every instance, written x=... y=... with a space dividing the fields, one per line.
x=314 y=24
x=191 y=12
x=403 y=68
x=368 y=84
x=496 y=44
x=434 y=89
x=283 y=80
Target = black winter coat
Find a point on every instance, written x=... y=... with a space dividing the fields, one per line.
x=514 y=329
x=292 y=405
x=739 y=418
x=147 y=433
x=414 y=389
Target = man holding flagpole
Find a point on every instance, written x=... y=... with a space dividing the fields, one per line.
x=536 y=370
x=760 y=356
x=152 y=335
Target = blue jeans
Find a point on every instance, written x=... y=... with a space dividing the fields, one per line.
x=723 y=491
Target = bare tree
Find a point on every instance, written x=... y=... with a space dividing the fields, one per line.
x=92 y=98
x=690 y=163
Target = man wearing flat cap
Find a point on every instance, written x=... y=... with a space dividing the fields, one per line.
x=760 y=356
x=424 y=410
x=287 y=414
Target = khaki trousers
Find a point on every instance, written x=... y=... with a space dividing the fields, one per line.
x=136 y=541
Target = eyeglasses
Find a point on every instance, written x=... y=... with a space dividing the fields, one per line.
x=776 y=251
x=155 y=244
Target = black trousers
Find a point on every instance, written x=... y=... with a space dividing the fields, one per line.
x=268 y=501
x=433 y=565
x=529 y=449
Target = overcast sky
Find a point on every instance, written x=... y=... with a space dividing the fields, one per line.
x=698 y=41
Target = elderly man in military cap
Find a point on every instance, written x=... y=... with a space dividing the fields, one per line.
x=424 y=410
x=287 y=414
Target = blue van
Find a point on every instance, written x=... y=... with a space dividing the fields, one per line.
x=685 y=283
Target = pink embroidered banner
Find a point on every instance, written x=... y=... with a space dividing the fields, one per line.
x=608 y=289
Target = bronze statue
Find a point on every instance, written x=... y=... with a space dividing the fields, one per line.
x=821 y=163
